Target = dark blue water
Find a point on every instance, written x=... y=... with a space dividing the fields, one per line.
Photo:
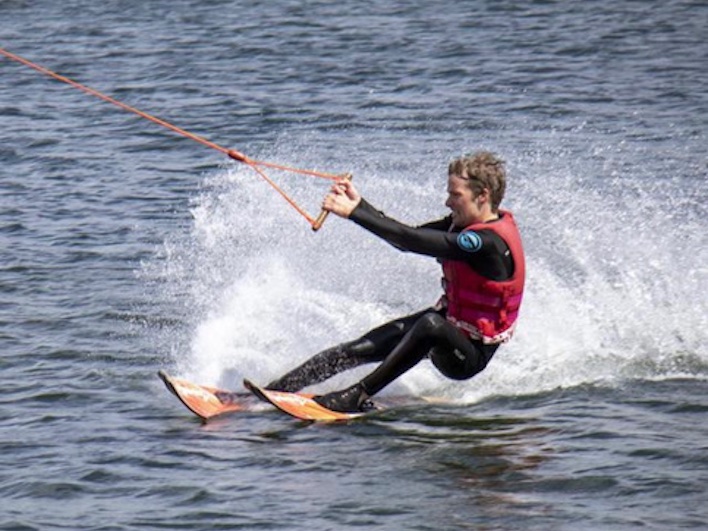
x=127 y=249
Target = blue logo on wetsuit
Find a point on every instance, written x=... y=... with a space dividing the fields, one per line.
x=469 y=241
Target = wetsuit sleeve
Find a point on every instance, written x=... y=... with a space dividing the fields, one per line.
x=439 y=224
x=483 y=250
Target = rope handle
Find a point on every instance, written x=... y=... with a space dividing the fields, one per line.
x=317 y=225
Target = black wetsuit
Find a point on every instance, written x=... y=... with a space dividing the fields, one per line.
x=402 y=343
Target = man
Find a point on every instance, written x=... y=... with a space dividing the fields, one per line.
x=483 y=279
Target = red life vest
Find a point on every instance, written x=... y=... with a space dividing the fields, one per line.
x=486 y=309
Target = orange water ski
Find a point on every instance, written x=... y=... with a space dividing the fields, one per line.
x=206 y=402
x=299 y=405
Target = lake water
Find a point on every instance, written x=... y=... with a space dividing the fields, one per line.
x=127 y=249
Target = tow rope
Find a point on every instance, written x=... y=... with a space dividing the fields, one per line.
x=255 y=165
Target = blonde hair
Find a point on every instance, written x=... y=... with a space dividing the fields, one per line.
x=481 y=170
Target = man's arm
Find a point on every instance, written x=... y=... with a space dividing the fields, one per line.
x=420 y=240
x=483 y=250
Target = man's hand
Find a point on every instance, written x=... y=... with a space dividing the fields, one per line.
x=342 y=199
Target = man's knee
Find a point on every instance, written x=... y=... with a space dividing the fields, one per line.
x=430 y=324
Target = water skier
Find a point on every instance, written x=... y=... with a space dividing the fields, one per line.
x=482 y=258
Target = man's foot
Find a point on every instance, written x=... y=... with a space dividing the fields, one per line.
x=351 y=400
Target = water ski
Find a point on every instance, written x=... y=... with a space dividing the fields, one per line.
x=206 y=402
x=300 y=406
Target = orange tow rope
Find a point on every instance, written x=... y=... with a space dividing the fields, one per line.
x=232 y=153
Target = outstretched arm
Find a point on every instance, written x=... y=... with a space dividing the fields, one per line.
x=420 y=240
x=483 y=250
x=345 y=201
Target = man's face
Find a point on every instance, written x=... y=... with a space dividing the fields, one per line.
x=465 y=207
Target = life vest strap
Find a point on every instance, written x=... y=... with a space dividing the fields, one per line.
x=474 y=333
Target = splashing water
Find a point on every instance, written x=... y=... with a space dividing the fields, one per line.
x=616 y=275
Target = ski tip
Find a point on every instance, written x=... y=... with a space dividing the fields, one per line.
x=168 y=382
x=255 y=389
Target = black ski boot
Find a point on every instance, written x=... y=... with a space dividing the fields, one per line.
x=353 y=399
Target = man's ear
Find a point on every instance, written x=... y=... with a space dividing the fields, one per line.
x=485 y=196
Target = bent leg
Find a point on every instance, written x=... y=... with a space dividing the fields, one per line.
x=431 y=331
x=453 y=353
x=372 y=347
